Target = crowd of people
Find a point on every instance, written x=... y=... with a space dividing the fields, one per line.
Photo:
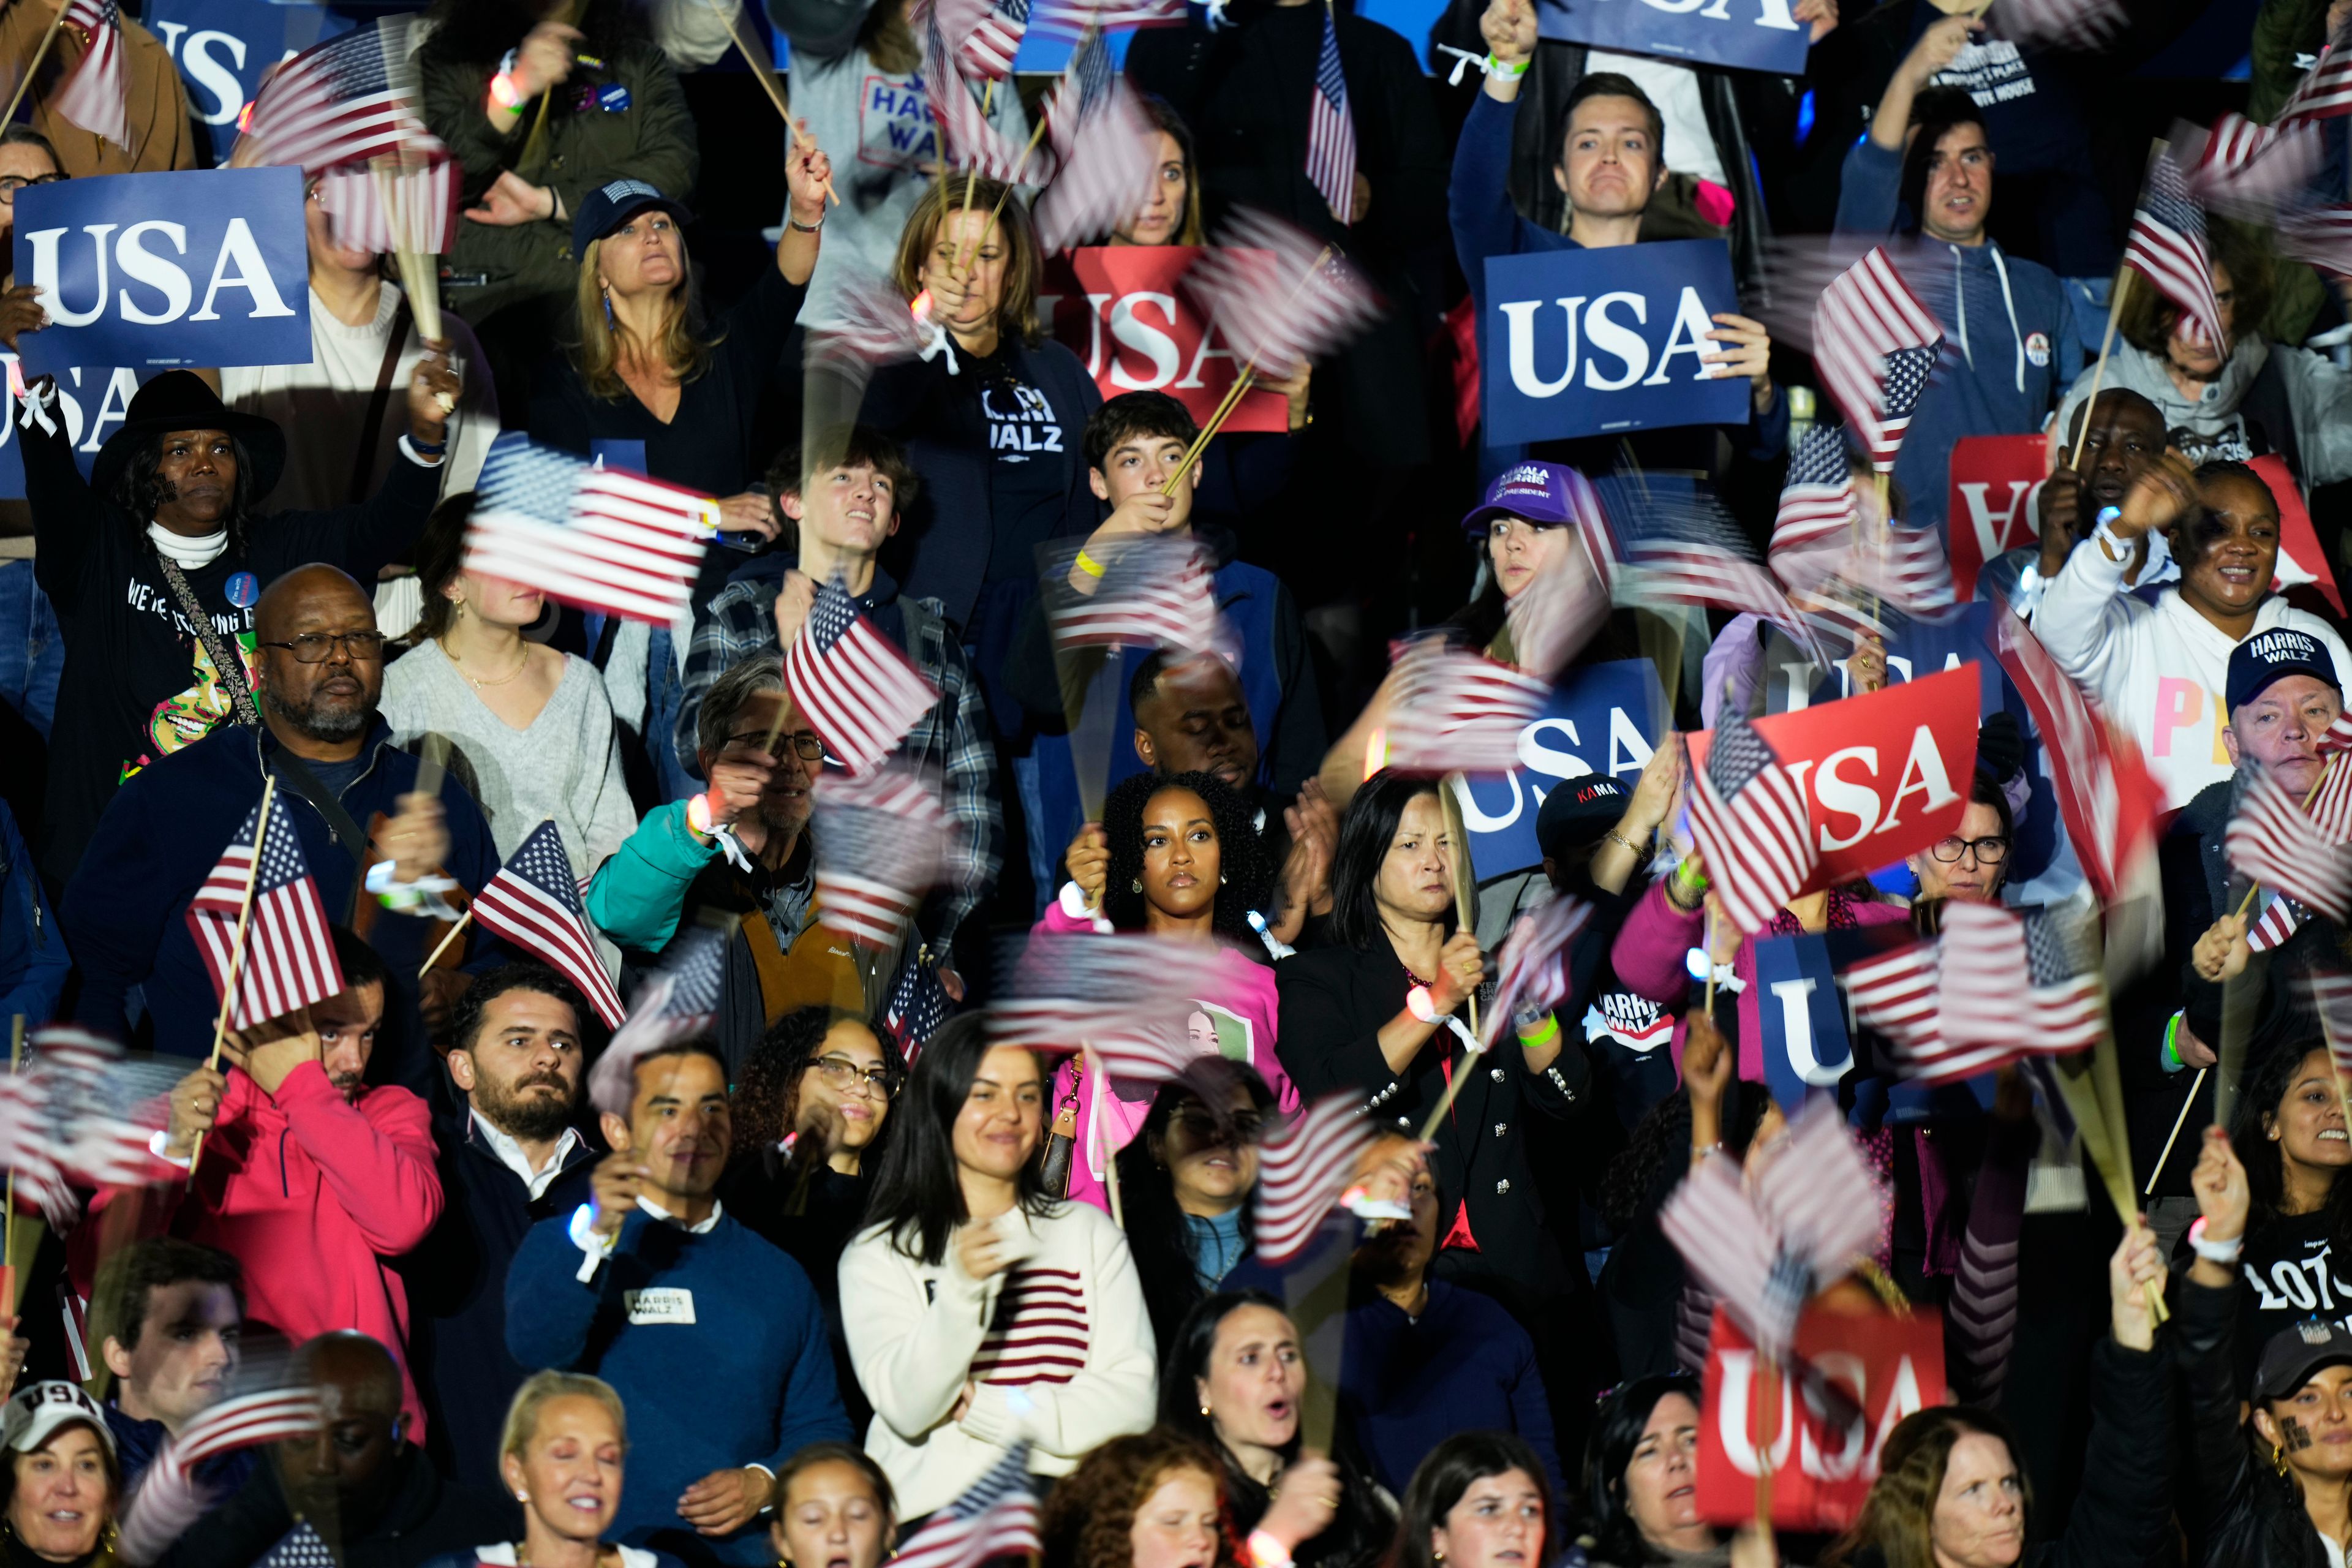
x=827 y=1264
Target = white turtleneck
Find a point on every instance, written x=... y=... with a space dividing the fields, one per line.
x=188 y=553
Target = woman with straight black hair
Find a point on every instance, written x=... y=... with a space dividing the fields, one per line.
x=1479 y=1500
x=987 y=1311
x=1185 y=1184
x=1641 y=1468
x=1235 y=1377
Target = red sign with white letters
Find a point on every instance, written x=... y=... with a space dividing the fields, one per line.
x=1118 y=309
x=1996 y=485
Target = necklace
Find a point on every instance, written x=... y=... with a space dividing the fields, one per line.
x=478 y=682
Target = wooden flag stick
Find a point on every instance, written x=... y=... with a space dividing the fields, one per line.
x=455 y=931
x=764 y=66
x=33 y=69
x=571 y=18
x=236 y=948
x=8 y=1225
x=1464 y=879
x=2099 y=371
x=2171 y=1138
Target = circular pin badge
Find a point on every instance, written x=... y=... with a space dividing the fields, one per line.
x=242 y=590
x=2037 y=349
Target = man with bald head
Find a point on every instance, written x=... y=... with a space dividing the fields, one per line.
x=359 y=1482
x=318 y=674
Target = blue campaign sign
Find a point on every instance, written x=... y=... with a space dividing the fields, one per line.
x=1603 y=718
x=1592 y=342
x=94 y=402
x=223 y=48
x=1746 y=35
x=195 y=268
x=1802 y=1014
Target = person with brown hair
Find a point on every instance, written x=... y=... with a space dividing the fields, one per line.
x=1155 y=1499
x=835 y=1509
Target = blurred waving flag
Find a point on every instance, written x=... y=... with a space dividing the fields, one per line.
x=1452 y=710
x=290 y=955
x=168 y=1500
x=2109 y=804
x=2077 y=25
x=1123 y=995
x=2280 y=918
x=919 y=1006
x=1536 y=957
x=1818 y=513
x=678 y=1002
x=1559 y=611
x=1682 y=547
x=346 y=100
x=1102 y=139
x=2167 y=247
x=2331 y=803
x=1280 y=298
x=388 y=209
x=989 y=31
x=2320 y=235
x=1070 y=19
x=535 y=902
x=1875 y=344
x=2250 y=168
x=1995 y=986
x=1155 y=593
x=858 y=691
x=2328 y=993
x=2326 y=90
x=1750 y=819
x=1304 y=1169
x=1331 y=129
x=2273 y=843
x=878 y=839
x=997 y=1517
x=93 y=97
x=598 y=538
x=966 y=135
x=871 y=326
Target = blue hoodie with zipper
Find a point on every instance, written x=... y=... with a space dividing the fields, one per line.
x=2010 y=349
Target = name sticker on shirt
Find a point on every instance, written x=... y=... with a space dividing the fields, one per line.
x=666 y=1306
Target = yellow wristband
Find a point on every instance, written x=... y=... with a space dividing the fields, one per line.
x=1089 y=565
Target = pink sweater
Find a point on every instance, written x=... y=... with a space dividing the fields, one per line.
x=1242 y=1015
x=1651 y=958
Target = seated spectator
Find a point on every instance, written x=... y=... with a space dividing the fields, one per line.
x=2259 y=397
x=987 y=1311
x=997 y=442
x=159 y=130
x=319 y=676
x=652 y=1277
x=506 y=1119
x=841 y=519
x=169 y=1319
x=563 y=1456
x=1171 y=215
x=834 y=1507
x=1480 y=1500
x=64 y=1485
x=2010 y=349
x=364 y=346
x=529 y=728
x=312 y=1179
x=2161 y=669
x=1155 y=1499
x=1641 y=1476
x=34 y=964
x=139 y=689
x=358 y=1485
x=670 y=872
x=1176 y=858
x=1185 y=1180
x=1234 y=1380
x=1427 y=1362
x=2124 y=439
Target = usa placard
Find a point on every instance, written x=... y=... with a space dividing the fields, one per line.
x=1746 y=35
x=1118 y=309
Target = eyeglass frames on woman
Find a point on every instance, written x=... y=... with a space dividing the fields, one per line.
x=1987 y=851
x=842 y=1073
x=11 y=184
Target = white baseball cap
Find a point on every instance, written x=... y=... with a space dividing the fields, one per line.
x=34 y=1414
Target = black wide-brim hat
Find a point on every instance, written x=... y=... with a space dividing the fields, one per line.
x=183 y=400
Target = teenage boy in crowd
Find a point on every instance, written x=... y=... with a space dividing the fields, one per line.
x=169 y=1317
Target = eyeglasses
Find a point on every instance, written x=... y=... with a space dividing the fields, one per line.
x=317 y=647
x=842 y=1073
x=1988 y=851
x=1244 y=1126
x=11 y=184
x=802 y=741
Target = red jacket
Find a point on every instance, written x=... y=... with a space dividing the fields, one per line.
x=315 y=1197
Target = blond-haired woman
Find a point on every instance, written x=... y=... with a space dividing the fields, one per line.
x=566 y=1447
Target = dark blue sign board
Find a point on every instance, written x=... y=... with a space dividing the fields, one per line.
x=1603 y=718
x=1746 y=35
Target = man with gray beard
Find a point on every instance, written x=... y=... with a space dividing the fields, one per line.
x=346 y=789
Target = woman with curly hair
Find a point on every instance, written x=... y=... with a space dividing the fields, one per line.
x=1156 y=1500
x=1178 y=858
x=1185 y=1183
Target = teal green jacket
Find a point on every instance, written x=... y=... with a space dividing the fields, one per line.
x=639 y=893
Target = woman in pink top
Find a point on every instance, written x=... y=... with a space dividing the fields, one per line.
x=1177 y=858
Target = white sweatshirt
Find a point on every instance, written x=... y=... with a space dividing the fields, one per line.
x=1059 y=1346
x=2160 y=670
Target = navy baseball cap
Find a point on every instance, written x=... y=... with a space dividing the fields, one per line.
x=2272 y=656
x=1578 y=812
x=610 y=205
x=1542 y=493
x=2294 y=1353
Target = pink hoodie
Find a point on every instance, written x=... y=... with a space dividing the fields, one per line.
x=1243 y=1016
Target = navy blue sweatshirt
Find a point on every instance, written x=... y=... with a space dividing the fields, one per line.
x=1406 y=1385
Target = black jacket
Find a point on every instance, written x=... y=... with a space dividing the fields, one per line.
x=457 y=1287
x=423 y=1517
x=2236 y=1511
x=1334 y=1002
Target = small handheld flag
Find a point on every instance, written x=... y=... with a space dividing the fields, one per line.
x=535 y=902
x=290 y=955
x=858 y=691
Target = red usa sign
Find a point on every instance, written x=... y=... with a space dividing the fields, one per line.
x=1995 y=486
x=1884 y=775
x=1118 y=309
x=1823 y=1443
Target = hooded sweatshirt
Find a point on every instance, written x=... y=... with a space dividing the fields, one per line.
x=2160 y=668
x=2232 y=417
x=2010 y=348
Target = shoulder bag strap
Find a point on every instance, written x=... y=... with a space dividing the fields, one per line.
x=372 y=431
x=348 y=834
x=226 y=665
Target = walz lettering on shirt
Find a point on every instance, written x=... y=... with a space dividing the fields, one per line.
x=662 y=1306
x=896 y=128
x=1990 y=72
x=1019 y=421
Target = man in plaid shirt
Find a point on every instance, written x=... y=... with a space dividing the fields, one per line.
x=850 y=509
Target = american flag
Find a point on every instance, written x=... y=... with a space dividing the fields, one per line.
x=301 y=1547
x=1331 y=129
x=1103 y=145
x=1682 y=547
x=2280 y=918
x=871 y=326
x=1558 y=612
x=2004 y=985
x=1905 y=567
x=990 y=31
x=1750 y=821
x=678 y=1002
x=535 y=902
x=2326 y=90
x=1155 y=593
x=1452 y=710
x=1280 y=298
x=2271 y=842
x=2321 y=236
x=919 y=1006
x=1123 y=995
x=997 y=1517
x=1535 y=975
x=879 y=838
x=341 y=102
x=2167 y=247
x=290 y=955
x=1819 y=511
x=1071 y=19
x=1303 y=1168
x=966 y=135
x=2328 y=993
x=2331 y=799
x=852 y=685
x=80 y=1114
x=169 y=1500
x=599 y=538
x=2248 y=167
x=93 y=97
x=1874 y=345
x=389 y=209
x=1815 y=1208
x=2080 y=24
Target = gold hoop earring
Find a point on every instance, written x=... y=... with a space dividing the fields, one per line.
x=2278 y=1458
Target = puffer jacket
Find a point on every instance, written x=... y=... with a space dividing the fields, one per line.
x=2236 y=1511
